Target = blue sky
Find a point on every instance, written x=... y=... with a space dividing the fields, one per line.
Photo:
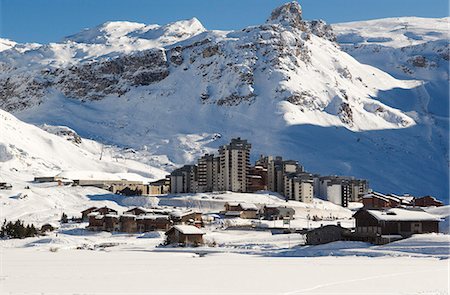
x=50 y=20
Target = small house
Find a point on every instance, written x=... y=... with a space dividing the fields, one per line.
x=427 y=201
x=276 y=212
x=378 y=200
x=187 y=217
x=153 y=222
x=242 y=210
x=96 y=221
x=128 y=223
x=186 y=235
x=111 y=222
x=326 y=234
x=85 y=213
x=137 y=211
x=372 y=225
x=105 y=210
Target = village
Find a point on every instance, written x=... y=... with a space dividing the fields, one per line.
x=377 y=218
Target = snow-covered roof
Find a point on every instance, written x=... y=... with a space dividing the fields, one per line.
x=112 y=215
x=153 y=217
x=396 y=214
x=188 y=229
x=182 y=213
x=248 y=206
x=138 y=208
x=233 y=204
x=371 y=195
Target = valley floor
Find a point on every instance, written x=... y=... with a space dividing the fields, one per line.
x=250 y=263
x=140 y=272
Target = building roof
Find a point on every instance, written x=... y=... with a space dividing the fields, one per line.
x=138 y=208
x=397 y=214
x=89 y=209
x=152 y=217
x=378 y=196
x=188 y=229
x=112 y=216
x=248 y=206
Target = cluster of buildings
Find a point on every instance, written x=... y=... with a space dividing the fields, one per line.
x=231 y=170
x=376 y=200
x=378 y=226
x=181 y=227
x=138 y=220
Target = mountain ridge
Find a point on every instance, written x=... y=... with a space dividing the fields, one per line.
x=286 y=86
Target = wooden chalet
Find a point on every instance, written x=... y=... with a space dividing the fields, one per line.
x=242 y=210
x=185 y=235
x=379 y=225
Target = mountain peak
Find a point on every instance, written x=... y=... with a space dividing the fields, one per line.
x=288 y=14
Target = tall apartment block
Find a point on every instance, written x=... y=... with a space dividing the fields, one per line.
x=184 y=180
x=208 y=173
x=341 y=190
x=277 y=168
x=234 y=165
x=299 y=187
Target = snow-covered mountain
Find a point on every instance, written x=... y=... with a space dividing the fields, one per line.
x=27 y=151
x=180 y=90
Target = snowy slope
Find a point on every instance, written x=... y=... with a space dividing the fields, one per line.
x=180 y=90
x=27 y=151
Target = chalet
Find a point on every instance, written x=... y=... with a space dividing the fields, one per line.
x=111 y=222
x=96 y=221
x=374 y=225
x=427 y=201
x=326 y=234
x=276 y=212
x=378 y=200
x=185 y=235
x=242 y=210
x=85 y=213
x=137 y=211
x=187 y=217
x=106 y=210
x=128 y=223
x=153 y=222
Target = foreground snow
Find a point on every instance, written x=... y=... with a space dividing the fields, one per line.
x=131 y=272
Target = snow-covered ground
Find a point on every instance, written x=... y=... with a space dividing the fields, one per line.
x=412 y=266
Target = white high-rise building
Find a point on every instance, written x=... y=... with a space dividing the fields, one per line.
x=234 y=165
x=208 y=173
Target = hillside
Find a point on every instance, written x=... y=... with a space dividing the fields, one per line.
x=176 y=91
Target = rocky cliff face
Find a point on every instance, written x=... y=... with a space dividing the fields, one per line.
x=224 y=66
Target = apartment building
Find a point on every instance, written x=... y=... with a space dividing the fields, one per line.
x=184 y=180
x=234 y=165
x=341 y=190
x=277 y=168
x=299 y=187
x=208 y=171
